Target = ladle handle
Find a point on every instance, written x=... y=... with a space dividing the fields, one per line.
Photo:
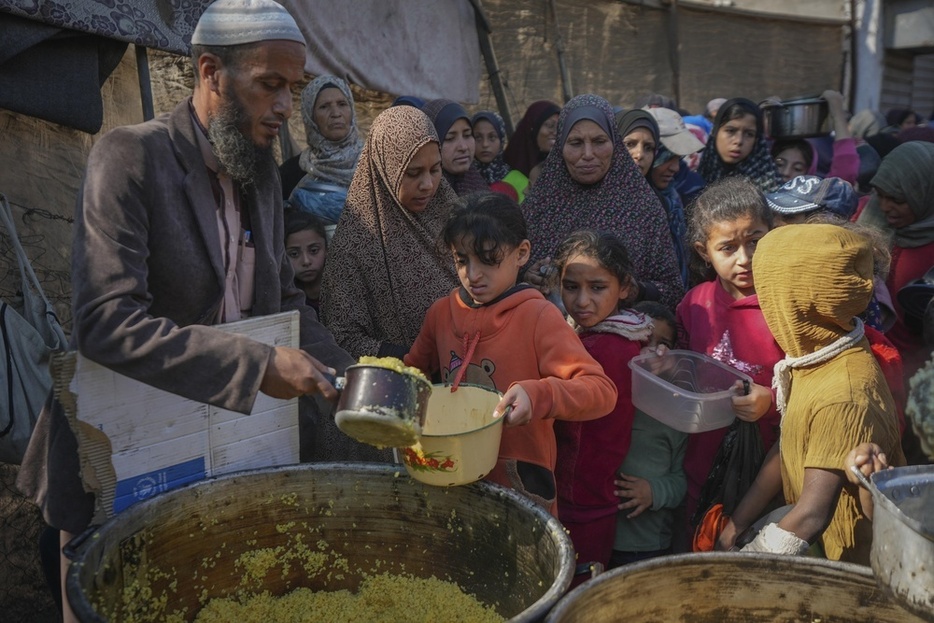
x=861 y=477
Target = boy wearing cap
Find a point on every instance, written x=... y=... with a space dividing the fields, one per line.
x=178 y=227
x=806 y=195
x=676 y=141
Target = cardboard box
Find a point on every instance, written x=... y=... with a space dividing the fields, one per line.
x=136 y=441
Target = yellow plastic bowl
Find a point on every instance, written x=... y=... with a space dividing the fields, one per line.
x=460 y=437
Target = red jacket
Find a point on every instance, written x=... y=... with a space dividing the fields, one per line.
x=590 y=453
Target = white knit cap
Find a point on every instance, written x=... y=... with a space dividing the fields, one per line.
x=235 y=22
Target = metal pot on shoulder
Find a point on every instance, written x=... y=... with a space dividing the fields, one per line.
x=802 y=117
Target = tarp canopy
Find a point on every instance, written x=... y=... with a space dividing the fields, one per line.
x=55 y=54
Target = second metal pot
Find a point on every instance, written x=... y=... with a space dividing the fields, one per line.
x=902 y=554
x=382 y=407
x=798 y=118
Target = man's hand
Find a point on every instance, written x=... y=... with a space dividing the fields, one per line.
x=291 y=372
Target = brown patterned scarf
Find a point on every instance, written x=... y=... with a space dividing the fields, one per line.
x=385 y=265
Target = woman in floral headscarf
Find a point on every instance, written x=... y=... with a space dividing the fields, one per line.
x=737 y=146
x=590 y=181
x=333 y=148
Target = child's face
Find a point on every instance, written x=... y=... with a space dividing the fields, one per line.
x=729 y=249
x=791 y=163
x=663 y=333
x=736 y=138
x=488 y=143
x=307 y=251
x=589 y=291
x=485 y=282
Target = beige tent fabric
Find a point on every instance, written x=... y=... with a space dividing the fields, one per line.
x=404 y=47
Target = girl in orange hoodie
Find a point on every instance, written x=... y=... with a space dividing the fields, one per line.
x=495 y=332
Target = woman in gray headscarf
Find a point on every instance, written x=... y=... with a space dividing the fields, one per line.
x=902 y=205
x=334 y=147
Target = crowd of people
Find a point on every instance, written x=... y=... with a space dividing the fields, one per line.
x=537 y=264
x=637 y=227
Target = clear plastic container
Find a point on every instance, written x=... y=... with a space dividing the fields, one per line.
x=688 y=391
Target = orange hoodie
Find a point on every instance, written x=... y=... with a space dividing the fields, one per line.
x=518 y=338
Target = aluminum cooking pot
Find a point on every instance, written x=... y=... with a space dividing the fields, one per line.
x=796 y=118
x=902 y=555
x=173 y=552
x=380 y=406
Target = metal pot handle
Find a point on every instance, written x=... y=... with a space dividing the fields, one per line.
x=72 y=548
x=339 y=382
x=862 y=479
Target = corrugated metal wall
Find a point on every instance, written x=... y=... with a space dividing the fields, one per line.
x=621 y=51
x=896 y=80
x=922 y=94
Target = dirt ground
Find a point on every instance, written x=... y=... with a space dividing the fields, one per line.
x=24 y=597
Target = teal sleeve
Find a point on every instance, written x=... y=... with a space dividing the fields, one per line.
x=669 y=490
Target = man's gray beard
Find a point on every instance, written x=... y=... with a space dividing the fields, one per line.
x=236 y=153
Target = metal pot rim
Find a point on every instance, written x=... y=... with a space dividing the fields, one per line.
x=798 y=101
x=879 y=480
x=364 y=366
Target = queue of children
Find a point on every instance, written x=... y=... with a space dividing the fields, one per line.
x=626 y=486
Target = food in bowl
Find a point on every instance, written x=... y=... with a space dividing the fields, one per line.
x=459 y=441
x=391 y=363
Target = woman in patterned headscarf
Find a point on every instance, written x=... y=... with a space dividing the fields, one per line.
x=737 y=146
x=590 y=181
x=333 y=148
x=385 y=266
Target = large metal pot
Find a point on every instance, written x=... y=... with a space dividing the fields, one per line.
x=177 y=550
x=902 y=553
x=731 y=587
x=797 y=118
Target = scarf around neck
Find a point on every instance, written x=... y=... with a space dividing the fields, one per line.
x=628 y=323
x=781 y=379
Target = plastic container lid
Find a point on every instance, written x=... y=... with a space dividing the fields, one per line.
x=688 y=391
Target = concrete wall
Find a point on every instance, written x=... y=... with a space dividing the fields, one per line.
x=621 y=51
